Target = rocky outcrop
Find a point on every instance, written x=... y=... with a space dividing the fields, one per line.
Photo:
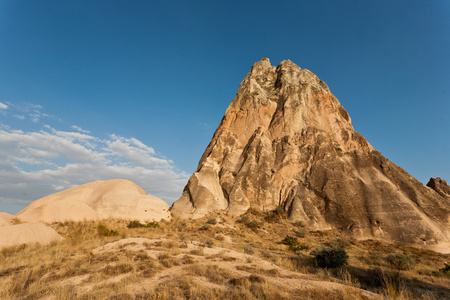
x=286 y=141
x=440 y=186
x=115 y=198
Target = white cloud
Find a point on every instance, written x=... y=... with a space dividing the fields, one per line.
x=35 y=117
x=79 y=129
x=34 y=164
x=3 y=106
x=21 y=117
x=135 y=152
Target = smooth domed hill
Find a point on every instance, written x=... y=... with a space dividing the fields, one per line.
x=115 y=198
x=27 y=233
x=5 y=219
x=286 y=141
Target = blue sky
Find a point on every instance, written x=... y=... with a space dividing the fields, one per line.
x=135 y=89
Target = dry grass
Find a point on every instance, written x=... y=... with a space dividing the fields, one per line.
x=228 y=260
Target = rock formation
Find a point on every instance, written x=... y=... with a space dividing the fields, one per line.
x=27 y=233
x=440 y=186
x=5 y=219
x=115 y=198
x=286 y=141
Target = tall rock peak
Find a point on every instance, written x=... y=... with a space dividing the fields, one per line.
x=286 y=141
x=263 y=63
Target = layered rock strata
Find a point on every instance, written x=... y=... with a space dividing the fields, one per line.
x=286 y=141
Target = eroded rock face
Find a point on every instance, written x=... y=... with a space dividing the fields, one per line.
x=286 y=141
x=440 y=186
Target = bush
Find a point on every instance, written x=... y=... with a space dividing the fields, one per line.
x=290 y=241
x=293 y=244
x=134 y=224
x=105 y=231
x=248 y=250
x=137 y=224
x=205 y=227
x=244 y=219
x=254 y=224
x=341 y=243
x=250 y=224
x=209 y=243
x=298 y=248
x=212 y=221
x=402 y=261
x=330 y=257
x=152 y=225
x=446 y=269
x=276 y=215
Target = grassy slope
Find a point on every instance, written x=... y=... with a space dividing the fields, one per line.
x=219 y=257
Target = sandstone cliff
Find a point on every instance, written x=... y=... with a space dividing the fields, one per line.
x=286 y=141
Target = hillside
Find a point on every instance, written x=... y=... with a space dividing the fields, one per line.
x=216 y=257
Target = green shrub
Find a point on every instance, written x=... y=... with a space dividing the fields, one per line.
x=254 y=224
x=205 y=227
x=137 y=224
x=293 y=244
x=446 y=269
x=244 y=219
x=102 y=230
x=152 y=225
x=209 y=243
x=290 y=241
x=340 y=243
x=330 y=257
x=248 y=250
x=134 y=224
x=297 y=248
x=402 y=261
x=266 y=254
x=212 y=221
x=250 y=224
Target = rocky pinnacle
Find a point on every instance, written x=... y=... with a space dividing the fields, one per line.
x=285 y=141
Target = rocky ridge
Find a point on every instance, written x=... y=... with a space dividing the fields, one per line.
x=286 y=141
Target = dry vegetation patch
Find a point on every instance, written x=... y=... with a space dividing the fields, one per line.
x=178 y=260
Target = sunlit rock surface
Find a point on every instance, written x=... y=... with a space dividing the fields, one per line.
x=286 y=141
